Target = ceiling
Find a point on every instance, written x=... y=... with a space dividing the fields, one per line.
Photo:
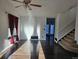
x=49 y=7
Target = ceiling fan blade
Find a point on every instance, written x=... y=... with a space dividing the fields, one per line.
x=18 y=6
x=17 y=1
x=29 y=7
x=27 y=1
x=36 y=5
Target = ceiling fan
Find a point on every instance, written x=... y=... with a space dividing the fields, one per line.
x=27 y=4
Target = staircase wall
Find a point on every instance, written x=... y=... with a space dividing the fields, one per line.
x=65 y=22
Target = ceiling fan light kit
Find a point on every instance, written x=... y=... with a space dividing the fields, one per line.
x=27 y=4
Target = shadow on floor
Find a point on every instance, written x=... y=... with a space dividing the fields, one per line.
x=50 y=52
x=34 y=52
x=56 y=51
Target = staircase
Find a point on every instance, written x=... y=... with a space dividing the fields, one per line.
x=68 y=42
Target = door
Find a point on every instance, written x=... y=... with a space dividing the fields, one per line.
x=50 y=31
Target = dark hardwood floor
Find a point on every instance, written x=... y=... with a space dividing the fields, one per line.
x=50 y=52
x=56 y=51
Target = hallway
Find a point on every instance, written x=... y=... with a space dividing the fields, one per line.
x=38 y=29
x=35 y=49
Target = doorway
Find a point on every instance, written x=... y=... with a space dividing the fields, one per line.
x=50 y=31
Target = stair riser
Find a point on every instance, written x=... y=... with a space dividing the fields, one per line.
x=68 y=42
x=72 y=50
x=71 y=37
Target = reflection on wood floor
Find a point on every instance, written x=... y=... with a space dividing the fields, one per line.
x=29 y=50
x=35 y=49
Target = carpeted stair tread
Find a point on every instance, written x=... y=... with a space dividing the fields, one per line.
x=72 y=37
x=67 y=43
x=69 y=39
x=68 y=46
x=71 y=34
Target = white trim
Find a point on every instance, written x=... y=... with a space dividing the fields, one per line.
x=66 y=30
x=4 y=50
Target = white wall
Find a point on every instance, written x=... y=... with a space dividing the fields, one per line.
x=5 y=6
x=42 y=23
x=26 y=27
x=3 y=25
x=32 y=26
x=65 y=22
